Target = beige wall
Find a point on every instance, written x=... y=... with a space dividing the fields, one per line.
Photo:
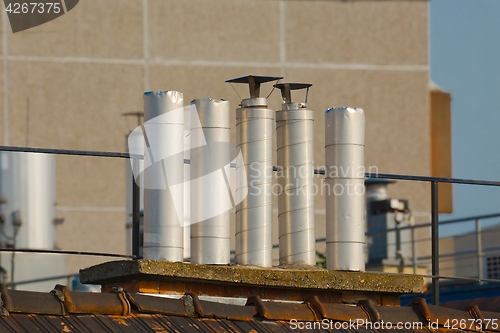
x=82 y=70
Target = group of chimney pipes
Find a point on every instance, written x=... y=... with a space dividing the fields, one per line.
x=255 y=121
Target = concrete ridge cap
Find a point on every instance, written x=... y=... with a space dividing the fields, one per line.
x=289 y=277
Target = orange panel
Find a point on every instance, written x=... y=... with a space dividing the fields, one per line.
x=441 y=161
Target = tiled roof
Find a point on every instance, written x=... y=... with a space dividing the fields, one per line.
x=119 y=311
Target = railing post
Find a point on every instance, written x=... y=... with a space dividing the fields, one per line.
x=413 y=246
x=479 y=245
x=435 y=242
x=136 y=197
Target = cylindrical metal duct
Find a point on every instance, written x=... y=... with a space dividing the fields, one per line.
x=254 y=135
x=164 y=175
x=28 y=193
x=210 y=200
x=344 y=186
x=295 y=150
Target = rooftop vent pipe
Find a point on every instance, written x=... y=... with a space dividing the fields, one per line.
x=345 y=202
x=210 y=200
x=254 y=133
x=295 y=130
x=27 y=195
x=164 y=175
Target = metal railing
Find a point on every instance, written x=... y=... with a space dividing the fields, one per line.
x=434 y=224
x=478 y=251
x=434 y=181
x=464 y=265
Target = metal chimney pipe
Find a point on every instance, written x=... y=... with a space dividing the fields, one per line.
x=345 y=197
x=254 y=135
x=27 y=186
x=210 y=201
x=295 y=150
x=164 y=175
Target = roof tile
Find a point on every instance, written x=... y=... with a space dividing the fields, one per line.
x=114 y=303
x=341 y=312
x=219 y=310
x=118 y=311
x=283 y=311
x=150 y=304
x=35 y=303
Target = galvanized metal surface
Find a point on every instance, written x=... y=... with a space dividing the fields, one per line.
x=295 y=151
x=254 y=137
x=27 y=186
x=344 y=180
x=254 y=127
x=164 y=162
x=210 y=200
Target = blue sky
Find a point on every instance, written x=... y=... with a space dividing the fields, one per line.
x=465 y=60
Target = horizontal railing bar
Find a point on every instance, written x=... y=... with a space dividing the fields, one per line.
x=68 y=152
x=464 y=219
x=84 y=253
x=462 y=252
x=459 y=278
x=45 y=279
x=275 y=168
x=433 y=179
x=451 y=254
x=421 y=225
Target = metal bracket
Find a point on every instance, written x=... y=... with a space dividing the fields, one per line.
x=189 y=304
x=368 y=307
x=3 y=311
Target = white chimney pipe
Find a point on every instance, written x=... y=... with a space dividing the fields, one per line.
x=210 y=200
x=254 y=135
x=164 y=175
x=295 y=150
x=344 y=186
x=28 y=186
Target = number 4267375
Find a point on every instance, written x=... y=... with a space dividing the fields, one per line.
x=34 y=7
